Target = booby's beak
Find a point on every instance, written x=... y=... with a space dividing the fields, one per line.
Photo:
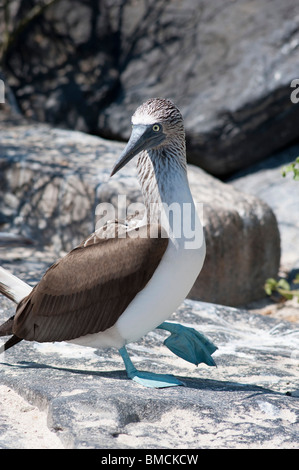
x=143 y=137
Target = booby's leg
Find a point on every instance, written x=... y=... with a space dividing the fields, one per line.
x=148 y=379
x=189 y=344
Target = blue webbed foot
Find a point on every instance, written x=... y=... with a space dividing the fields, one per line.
x=189 y=344
x=148 y=379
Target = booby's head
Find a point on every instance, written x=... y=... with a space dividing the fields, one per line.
x=156 y=124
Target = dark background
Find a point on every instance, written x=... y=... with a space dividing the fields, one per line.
x=228 y=65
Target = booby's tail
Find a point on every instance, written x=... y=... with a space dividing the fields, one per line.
x=15 y=289
x=12 y=287
x=9 y=343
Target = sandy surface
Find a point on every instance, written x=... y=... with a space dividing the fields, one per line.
x=286 y=310
x=23 y=426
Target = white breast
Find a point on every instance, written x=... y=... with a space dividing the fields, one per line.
x=166 y=290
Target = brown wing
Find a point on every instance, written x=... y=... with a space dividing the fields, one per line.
x=87 y=290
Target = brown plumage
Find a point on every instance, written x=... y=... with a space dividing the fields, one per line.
x=76 y=293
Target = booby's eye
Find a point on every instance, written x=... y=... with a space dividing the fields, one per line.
x=156 y=127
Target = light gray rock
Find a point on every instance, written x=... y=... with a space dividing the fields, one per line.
x=53 y=180
x=250 y=400
x=264 y=180
x=49 y=179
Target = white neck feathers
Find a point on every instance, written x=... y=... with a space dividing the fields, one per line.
x=166 y=192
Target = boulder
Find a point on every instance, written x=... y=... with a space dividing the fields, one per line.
x=52 y=181
x=250 y=400
x=227 y=65
x=243 y=242
x=48 y=182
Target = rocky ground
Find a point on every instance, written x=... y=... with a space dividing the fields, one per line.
x=24 y=426
x=250 y=400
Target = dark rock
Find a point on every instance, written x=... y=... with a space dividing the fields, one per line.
x=228 y=65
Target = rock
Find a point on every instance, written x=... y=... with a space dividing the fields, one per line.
x=227 y=65
x=53 y=180
x=229 y=68
x=243 y=242
x=264 y=180
x=250 y=400
x=48 y=185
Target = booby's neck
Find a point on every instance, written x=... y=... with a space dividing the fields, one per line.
x=164 y=184
x=162 y=174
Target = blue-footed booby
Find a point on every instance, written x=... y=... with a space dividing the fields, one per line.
x=112 y=290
